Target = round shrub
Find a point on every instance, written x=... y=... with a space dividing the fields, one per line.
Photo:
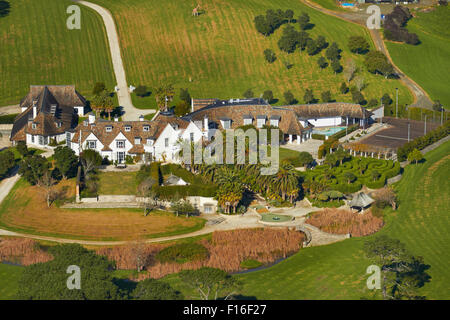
x=181 y=253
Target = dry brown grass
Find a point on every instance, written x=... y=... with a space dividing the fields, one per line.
x=22 y=251
x=227 y=249
x=25 y=210
x=342 y=221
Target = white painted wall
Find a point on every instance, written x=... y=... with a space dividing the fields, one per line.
x=326 y=122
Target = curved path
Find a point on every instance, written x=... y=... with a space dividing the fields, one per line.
x=421 y=97
x=131 y=113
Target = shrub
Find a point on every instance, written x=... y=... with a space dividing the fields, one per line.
x=344 y=221
x=318 y=136
x=141 y=91
x=8 y=119
x=250 y=264
x=358 y=44
x=270 y=56
x=181 y=253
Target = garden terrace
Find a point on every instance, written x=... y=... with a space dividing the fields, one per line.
x=363 y=170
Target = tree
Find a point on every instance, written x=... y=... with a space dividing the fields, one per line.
x=377 y=62
x=303 y=21
x=289 y=39
x=33 y=167
x=248 y=94
x=333 y=52
x=326 y=96
x=311 y=47
x=358 y=44
x=286 y=181
x=402 y=273
x=22 y=148
x=415 y=156
x=262 y=26
x=103 y=102
x=288 y=97
x=305 y=158
x=210 y=283
x=46 y=183
x=359 y=82
x=184 y=207
x=336 y=66
x=309 y=96
x=302 y=39
x=151 y=289
x=268 y=96
x=357 y=96
x=289 y=15
x=99 y=87
x=322 y=63
x=270 y=56
x=437 y=106
x=386 y=99
x=386 y=196
x=350 y=69
x=90 y=159
x=6 y=162
x=141 y=91
x=341 y=155
x=331 y=160
x=372 y=103
x=350 y=177
x=343 y=88
x=48 y=281
x=185 y=96
x=66 y=161
x=321 y=42
x=163 y=95
x=182 y=108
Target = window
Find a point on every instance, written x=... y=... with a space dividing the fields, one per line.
x=32 y=139
x=208 y=208
x=33 y=125
x=41 y=140
x=227 y=124
x=192 y=136
x=274 y=122
x=92 y=144
x=247 y=121
x=146 y=128
x=137 y=140
x=120 y=144
x=261 y=122
x=108 y=128
x=166 y=142
x=68 y=138
x=149 y=142
x=45 y=140
x=127 y=128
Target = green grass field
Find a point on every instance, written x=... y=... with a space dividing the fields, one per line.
x=37 y=48
x=427 y=63
x=222 y=53
x=338 y=271
x=9 y=277
x=117 y=183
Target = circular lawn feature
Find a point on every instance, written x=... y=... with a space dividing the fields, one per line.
x=271 y=217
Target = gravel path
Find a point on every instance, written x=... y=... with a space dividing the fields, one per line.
x=131 y=113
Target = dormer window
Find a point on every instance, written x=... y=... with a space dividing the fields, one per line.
x=226 y=123
x=127 y=128
x=274 y=120
x=33 y=125
x=146 y=128
x=137 y=140
x=58 y=124
x=108 y=128
x=175 y=126
x=149 y=142
x=260 y=121
x=248 y=120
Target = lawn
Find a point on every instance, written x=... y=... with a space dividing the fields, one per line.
x=9 y=277
x=117 y=183
x=38 y=48
x=338 y=271
x=427 y=62
x=220 y=53
x=24 y=210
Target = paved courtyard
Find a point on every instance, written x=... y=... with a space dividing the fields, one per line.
x=311 y=146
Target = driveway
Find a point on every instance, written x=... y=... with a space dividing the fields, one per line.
x=131 y=113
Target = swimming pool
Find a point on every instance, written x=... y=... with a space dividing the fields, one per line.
x=328 y=131
x=346 y=4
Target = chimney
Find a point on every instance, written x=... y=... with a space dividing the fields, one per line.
x=34 y=108
x=141 y=118
x=91 y=118
x=192 y=105
x=116 y=119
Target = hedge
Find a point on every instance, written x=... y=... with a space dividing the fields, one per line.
x=168 y=192
x=8 y=119
x=318 y=136
x=424 y=141
x=341 y=133
x=182 y=253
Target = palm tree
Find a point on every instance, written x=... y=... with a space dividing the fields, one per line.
x=286 y=179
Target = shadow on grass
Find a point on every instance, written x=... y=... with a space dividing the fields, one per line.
x=5 y=8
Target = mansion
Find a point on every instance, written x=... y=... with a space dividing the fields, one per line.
x=51 y=112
